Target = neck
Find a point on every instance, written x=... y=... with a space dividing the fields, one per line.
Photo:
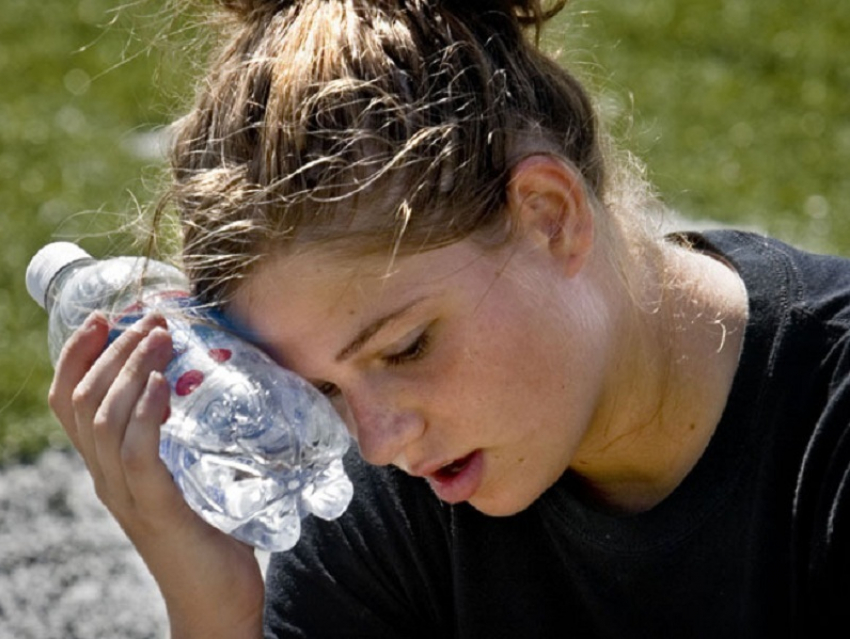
x=676 y=361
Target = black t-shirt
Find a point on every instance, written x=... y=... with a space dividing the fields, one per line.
x=755 y=542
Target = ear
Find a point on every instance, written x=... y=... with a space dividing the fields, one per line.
x=548 y=204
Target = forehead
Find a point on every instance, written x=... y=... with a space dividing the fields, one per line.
x=316 y=297
x=315 y=272
x=310 y=285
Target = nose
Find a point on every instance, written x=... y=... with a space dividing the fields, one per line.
x=382 y=422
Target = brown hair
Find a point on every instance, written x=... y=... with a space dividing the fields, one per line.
x=370 y=125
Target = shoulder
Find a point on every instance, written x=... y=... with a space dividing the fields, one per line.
x=800 y=331
x=796 y=279
x=800 y=328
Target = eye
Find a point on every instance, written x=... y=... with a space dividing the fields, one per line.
x=327 y=389
x=411 y=351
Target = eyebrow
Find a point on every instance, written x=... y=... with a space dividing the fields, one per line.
x=373 y=329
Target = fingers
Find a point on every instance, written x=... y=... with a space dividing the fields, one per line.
x=94 y=391
x=77 y=357
x=148 y=480
x=126 y=376
x=112 y=402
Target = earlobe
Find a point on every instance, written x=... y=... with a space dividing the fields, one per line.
x=548 y=202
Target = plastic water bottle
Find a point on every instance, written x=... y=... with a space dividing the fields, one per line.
x=253 y=447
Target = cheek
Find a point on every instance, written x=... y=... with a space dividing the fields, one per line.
x=346 y=414
x=497 y=377
x=539 y=378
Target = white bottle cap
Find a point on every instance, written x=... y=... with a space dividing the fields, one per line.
x=45 y=264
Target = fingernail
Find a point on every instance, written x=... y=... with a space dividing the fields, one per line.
x=155 y=318
x=93 y=321
x=146 y=322
x=154 y=379
x=157 y=331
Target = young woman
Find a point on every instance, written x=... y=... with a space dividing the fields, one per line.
x=565 y=425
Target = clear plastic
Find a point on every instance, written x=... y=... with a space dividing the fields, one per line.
x=253 y=447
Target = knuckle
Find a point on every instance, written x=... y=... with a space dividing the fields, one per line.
x=100 y=425
x=100 y=486
x=101 y=491
x=109 y=497
x=82 y=397
x=133 y=460
x=134 y=366
x=55 y=399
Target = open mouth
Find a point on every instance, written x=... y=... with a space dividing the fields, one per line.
x=453 y=469
x=458 y=480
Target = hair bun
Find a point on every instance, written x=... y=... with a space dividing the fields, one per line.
x=533 y=12
x=250 y=8
x=526 y=11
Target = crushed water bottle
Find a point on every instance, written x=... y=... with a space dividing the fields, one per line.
x=253 y=447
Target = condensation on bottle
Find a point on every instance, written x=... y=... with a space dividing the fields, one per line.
x=253 y=447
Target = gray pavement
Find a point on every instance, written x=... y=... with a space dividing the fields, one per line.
x=66 y=569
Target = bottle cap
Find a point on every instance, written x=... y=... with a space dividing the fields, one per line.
x=45 y=264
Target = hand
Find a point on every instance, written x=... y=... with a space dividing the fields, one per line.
x=112 y=404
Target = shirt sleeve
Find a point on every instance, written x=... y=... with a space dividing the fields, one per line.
x=380 y=570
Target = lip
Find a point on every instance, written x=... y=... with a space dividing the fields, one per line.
x=461 y=485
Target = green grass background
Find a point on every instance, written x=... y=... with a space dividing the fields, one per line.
x=739 y=109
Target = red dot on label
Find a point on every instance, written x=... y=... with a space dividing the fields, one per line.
x=188 y=382
x=220 y=354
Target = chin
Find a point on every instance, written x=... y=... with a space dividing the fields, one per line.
x=501 y=506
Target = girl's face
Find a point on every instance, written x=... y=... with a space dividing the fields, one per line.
x=480 y=372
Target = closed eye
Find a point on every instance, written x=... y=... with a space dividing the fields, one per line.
x=415 y=350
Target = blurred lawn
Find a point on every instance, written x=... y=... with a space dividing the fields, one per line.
x=77 y=99
x=740 y=109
